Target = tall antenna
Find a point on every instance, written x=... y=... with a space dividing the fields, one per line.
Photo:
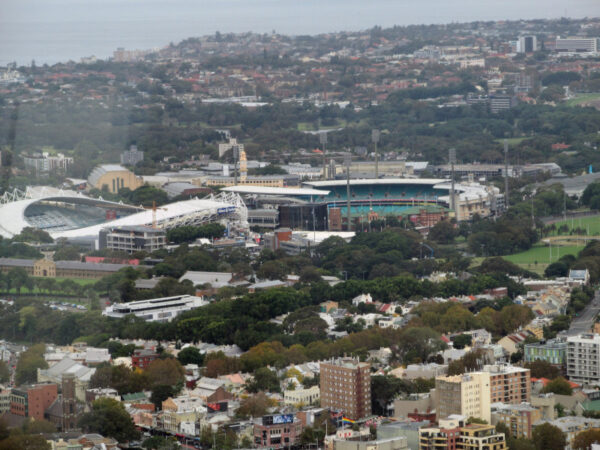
x=348 y=159
x=452 y=161
x=375 y=139
x=505 y=174
x=323 y=141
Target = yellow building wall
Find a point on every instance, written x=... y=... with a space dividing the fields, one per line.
x=119 y=179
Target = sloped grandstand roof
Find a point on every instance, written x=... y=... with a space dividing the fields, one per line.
x=370 y=181
x=268 y=190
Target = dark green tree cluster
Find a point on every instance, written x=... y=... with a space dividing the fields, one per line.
x=29 y=362
x=108 y=417
x=384 y=389
x=190 y=233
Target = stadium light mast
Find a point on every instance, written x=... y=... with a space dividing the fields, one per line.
x=452 y=161
x=375 y=139
x=506 y=174
x=236 y=155
x=348 y=159
x=323 y=141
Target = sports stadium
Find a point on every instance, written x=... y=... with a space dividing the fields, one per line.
x=402 y=196
x=376 y=197
x=72 y=215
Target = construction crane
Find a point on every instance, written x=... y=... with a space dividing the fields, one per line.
x=153 y=208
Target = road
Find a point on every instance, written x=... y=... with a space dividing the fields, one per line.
x=584 y=322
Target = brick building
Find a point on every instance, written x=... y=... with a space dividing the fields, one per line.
x=142 y=358
x=277 y=431
x=346 y=387
x=509 y=384
x=32 y=401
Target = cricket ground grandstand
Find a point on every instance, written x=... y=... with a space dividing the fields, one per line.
x=324 y=205
x=403 y=196
x=73 y=215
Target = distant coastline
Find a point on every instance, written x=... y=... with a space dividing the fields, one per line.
x=62 y=30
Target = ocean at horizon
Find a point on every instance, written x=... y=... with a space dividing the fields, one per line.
x=51 y=31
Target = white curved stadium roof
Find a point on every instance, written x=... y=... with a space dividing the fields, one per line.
x=268 y=190
x=13 y=220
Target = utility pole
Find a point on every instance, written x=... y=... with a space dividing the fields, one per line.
x=505 y=174
x=323 y=141
x=452 y=161
x=375 y=139
x=348 y=159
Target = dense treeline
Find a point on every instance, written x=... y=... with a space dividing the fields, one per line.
x=96 y=135
x=588 y=258
x=244 y=321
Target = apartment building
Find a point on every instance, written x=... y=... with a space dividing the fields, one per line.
x=132 y=156
x=346 y=387
x=552 y=351
x=583 y=363
x=44 y=162
x=444 y=436
x=466 y=395
x=481 y=437
x=509 y=384
x=4 y=400
x=518 y=418
x=132 y=238
x=302 y=396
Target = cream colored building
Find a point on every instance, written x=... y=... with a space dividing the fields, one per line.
x=267 y=180
x=113 y=177
x=467 y=395
x=180 y=409
x=302 y=396
x=481 y=437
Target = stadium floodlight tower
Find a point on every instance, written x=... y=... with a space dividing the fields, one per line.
x=236 y=157
x=323 y=141
x=452 y=161
x=505 y=174
x=348 y=160
x=375 y=139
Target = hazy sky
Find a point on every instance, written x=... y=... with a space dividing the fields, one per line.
x=52 y=30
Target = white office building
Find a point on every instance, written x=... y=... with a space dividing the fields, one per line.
x=577 y=45
x=583 y=360
x=156 y=309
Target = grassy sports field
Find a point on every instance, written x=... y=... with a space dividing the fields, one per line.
x=591 y=224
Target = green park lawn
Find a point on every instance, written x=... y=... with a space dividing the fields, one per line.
x=512 y=141
x=56 y=291
x=582 y=98
x=80 y=281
